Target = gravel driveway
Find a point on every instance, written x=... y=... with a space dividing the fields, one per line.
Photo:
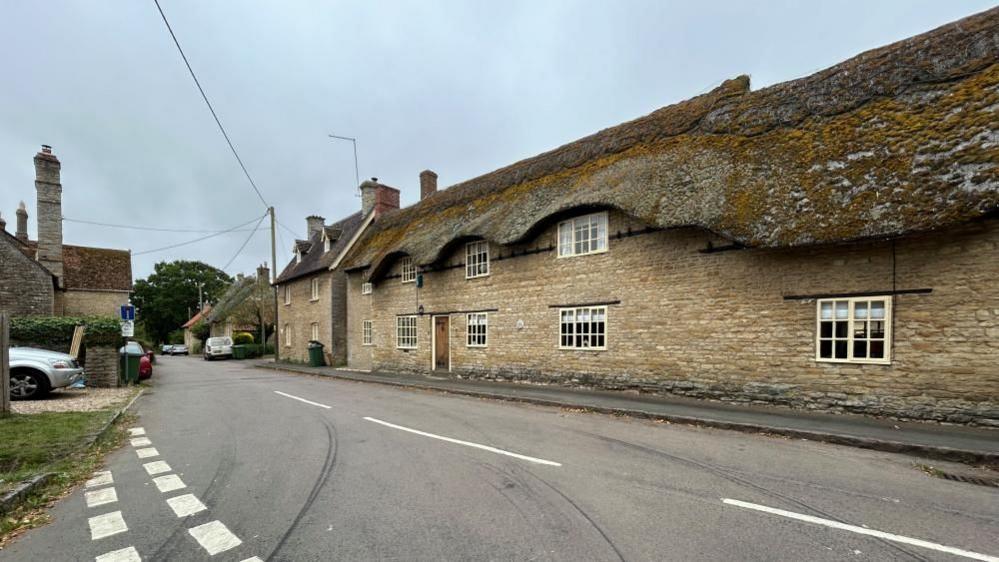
x=75 y=400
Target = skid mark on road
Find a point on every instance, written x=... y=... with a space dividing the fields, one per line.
x=862 y=530
x=465 y=443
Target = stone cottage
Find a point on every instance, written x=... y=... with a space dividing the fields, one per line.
x=246 y=306
x=47 y=277
x=312 y=288
x=830 y=242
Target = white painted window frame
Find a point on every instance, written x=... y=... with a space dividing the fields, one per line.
x=367 y=288
x=403 y=330
x=851 y=328
x=407 y=270
x=314 y=329
x=326 y=243
x=314 y=288
x=476 y=255
x=573 y=224
x=287 y=295
x=287 y=334
x=484 y=316
x=575 y=324
x=367 y=332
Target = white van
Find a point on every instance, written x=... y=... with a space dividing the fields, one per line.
x=218 y=347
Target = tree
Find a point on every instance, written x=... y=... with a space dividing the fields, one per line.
x=170 y=293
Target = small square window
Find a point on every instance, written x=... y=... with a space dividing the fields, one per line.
x=583 y=328
x=853 y=330
x=367 y=288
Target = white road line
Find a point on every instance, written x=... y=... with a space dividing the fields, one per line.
x=100 y=497
x=186 y=505
x=156 y=467
x=106 y=525
x=293 y=397
x=124 y=555
x=863 y=530
x=466 y=443
x=100 y=478
x=141 y=442
x=214 y=537
x=136 y=431
x=254 y=559
x=168 y=483
x=147 y=452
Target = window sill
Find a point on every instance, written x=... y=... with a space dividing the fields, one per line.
x=582 y=348
x=467 y=278
x=476 y=346
x=598 y=252
x=314 y=300
x=854 y=361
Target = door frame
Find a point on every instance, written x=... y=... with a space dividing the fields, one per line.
x=433 y=341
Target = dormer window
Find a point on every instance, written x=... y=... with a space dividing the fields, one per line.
x=408 y=270
x=327 y=244
x=476 y=259
x=298 y=255
x=583 y=235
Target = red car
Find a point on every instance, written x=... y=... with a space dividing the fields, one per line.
x=145 y=366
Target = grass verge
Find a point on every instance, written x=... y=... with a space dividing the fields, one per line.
x=51 y=442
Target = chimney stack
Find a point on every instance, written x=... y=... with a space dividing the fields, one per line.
x=22 y=223
x=49 y=194
x=263 y=274
x=428 y=184
x=313 y=225
x=3 y=224
x=377 y=198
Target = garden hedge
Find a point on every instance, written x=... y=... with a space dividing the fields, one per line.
x=57 y=331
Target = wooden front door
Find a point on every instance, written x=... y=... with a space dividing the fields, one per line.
x=442 y=349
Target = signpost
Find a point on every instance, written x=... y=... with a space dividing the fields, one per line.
x=127 y=331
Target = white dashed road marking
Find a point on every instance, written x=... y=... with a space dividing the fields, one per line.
x=106 y=525
x=147 y=452
x=293 y=397
x=100 y=497
x=466 y=443
x=101 y=478
x=168 y=483
x=124 y=555
x=137 y=431
x=186 y=505
x=156 y=467
x=214 y=537
x=254 y=559
x=863 y=530
x=141 y=442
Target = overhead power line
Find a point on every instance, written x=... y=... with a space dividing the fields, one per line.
x=209 y=104
x=245 y=242
x=290 y=231
x=153 y=228
x=196 y=240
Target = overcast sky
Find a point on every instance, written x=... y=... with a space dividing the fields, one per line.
x=461 y=88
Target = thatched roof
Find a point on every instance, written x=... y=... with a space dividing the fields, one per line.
x=900 y=139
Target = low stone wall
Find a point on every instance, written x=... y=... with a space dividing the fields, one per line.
x=101 y=366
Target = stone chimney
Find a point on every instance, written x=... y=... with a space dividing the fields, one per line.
x=22 y=223
x=313 y=225
x=263 y=274
x=3 y=224
x=428 y=184
x=378 y=198
x=49 y=195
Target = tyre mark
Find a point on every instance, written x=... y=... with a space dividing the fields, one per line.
x=332 y=444
x=731 y=477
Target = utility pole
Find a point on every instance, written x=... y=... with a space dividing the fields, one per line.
x=357 y=175
x=277 y=344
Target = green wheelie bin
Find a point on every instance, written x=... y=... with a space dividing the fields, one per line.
x=316 y=358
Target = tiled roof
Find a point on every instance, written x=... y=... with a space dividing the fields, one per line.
x=201 y=314
x=314 y=259
x=896 y=140
x=97 y=268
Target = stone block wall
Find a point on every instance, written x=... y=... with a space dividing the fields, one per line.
x=715 y=325
x=101 y=366
x=295 y=319
x=26 y=289
x=77 y=302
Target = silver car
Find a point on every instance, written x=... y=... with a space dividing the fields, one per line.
x=34 y=372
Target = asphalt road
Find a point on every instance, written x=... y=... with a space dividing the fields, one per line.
x=366 y=472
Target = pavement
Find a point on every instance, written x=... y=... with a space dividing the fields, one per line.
x=230 y=462
x=928 y=439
